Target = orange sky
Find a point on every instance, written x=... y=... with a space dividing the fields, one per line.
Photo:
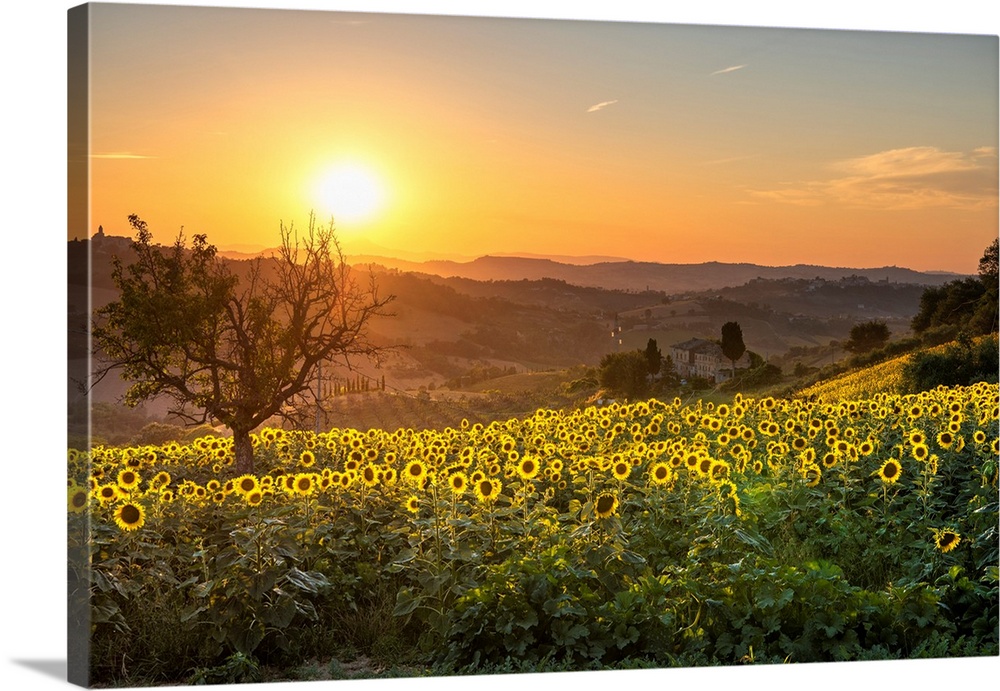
x=646 y=141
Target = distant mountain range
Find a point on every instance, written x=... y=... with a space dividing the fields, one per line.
x=614 y=273
x=639 y=276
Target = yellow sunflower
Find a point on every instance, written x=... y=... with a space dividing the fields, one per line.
x=130 y=516
x=457 y=482
x=413 y=503
x=77 y=498
x=304 y=484
x=621 y=470
x=160 y=480
x=945 y=439
x=605 y=505
x=705 y=467
x=488 y=489
x=389 y=476
x=890 y=471
x=527 y=468
x=370 y=475
x=718 y=471
x=128 y=479
x=107 y=493
x=414 y=472
x=946 y=539
x=660 y=474
x=245 y=484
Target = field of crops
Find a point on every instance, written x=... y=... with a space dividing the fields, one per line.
x=885 y=377
x=652 y=533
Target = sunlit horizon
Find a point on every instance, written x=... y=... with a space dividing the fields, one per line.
x=472 y=136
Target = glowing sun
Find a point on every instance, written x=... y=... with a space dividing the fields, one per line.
x=350 y=193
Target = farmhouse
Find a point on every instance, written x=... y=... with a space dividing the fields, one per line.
x=698 y=357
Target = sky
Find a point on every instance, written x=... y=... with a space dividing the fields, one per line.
x=651 y=141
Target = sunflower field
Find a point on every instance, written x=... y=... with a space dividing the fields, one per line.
x=653 y=533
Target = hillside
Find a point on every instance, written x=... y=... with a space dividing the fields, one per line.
x=639 y=276
x=952 y=363
x=448 y=331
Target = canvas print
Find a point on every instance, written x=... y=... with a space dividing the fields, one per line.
x=412 y=345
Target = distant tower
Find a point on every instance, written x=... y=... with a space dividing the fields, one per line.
x=100 y=233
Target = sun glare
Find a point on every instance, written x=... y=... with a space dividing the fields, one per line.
x=351 y=193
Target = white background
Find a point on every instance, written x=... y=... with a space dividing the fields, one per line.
x=32 y=268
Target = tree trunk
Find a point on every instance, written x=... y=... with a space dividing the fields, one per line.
x=244 y=451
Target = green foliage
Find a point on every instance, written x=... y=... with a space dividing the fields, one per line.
x=760 y=373
x=732 y=341
x=654 y=357
x=889 y=350
x=771 y=535
x=962 y=363
x=969 y=304
x=951 y=304
x=625 y=374
x=238 y=668
x=867 y=336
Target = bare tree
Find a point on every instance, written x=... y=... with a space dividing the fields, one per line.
x=235 y=347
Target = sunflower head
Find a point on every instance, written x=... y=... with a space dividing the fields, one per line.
x=488 y=489
x=527 y=467
x=705 y=467
x=605 y=505
x=660 y=474
x=946 y=539
x=945 y=439
x=621 y=469
x=245 y=484
x=130 y=516
x=107 y=493
x=457 y=482
x=128 y=479
x=370 y=475
x=77 y=498
x=304 y=484
x=890 y=471
x=414 y=472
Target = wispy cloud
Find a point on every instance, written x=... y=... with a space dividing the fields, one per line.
x=120 y=155
x=598 y=106
x=727 y=70
x=731 y=159
x=911 y=178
